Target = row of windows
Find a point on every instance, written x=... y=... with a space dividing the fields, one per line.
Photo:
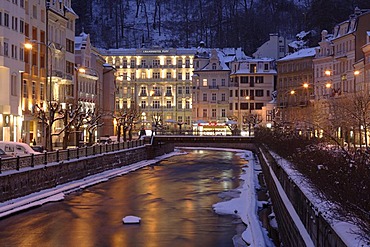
x=33 y=90
x=21 y=2
x=157 y=90
x=87 y=86
x=156 y=104
x=253 y=68
x=156 y=75
x=248 y=79
x=15 y=24
x=145 y=63
x=12 y=51
x=213 y=113
x=246 y=106
x=214 y=82
x=251 y=93
x=343 y=47
x=295 y=66
x=213 y=97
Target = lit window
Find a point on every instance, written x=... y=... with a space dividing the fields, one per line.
x=205 y=83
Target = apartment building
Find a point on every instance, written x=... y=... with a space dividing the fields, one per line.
x=157 y=81
x=348 y=39
x=91 y=72
x=341 y=69
x=37 y=56
x=323 y=67
x=61 y=56
x=210 y=91
x=88 y=78
x=366 y=62
x=12 y=65
x=34 y=76
x=252 y=82
x=295 y=89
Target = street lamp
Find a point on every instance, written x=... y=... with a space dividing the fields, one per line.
x=328 y=73
x=248 y=98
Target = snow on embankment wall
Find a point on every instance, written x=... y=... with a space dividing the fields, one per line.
x=299 y=222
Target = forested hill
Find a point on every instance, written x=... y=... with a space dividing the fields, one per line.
x=219 y=23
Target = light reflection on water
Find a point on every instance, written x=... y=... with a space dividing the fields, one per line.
x=173 y=198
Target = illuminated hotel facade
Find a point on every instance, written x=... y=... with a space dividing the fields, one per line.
x=157 y=81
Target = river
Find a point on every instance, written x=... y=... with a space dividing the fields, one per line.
x=174 y=199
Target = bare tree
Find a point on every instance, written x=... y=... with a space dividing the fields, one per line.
x=70 y=113
x=52 y=113
x=233 y=125
x=157 y=122
x=126 y=118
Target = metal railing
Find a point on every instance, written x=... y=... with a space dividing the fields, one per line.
x=57 y=156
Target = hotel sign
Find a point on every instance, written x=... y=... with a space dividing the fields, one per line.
x=156 y=51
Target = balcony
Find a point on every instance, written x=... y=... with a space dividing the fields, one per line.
x=57 y=73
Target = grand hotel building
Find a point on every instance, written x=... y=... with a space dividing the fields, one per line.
x=159 y=81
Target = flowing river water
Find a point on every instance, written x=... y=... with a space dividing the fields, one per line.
x=173 y=198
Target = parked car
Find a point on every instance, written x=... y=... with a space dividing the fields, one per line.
x=38 y=148
x=16 y=148
x=3 y=155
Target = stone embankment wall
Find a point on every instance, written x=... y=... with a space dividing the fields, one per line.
x=319 y=230
x=15 y=184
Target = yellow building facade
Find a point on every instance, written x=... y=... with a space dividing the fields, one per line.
x=157 y=81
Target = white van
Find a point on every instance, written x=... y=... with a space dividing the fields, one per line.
x=17 y=148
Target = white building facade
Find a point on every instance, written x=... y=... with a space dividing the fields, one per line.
x=211 y=92
x=12 y=15
x=252 y=82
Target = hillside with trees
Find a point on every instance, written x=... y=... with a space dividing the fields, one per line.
x=219 y=23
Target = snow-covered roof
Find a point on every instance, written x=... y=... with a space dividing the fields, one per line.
x=307 y=52
x=69 y=9
x=80 y=40
x=222 y=61
x=147 y=51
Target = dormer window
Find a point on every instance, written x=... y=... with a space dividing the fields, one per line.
x=214 y=67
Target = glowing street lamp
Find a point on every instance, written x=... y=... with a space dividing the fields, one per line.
x=328 y=73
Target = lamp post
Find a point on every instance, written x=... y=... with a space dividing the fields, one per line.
x=248 y=98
